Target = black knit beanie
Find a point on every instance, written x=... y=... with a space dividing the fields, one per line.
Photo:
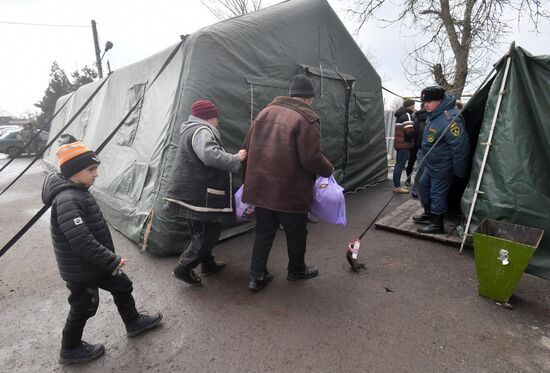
x=301 y=86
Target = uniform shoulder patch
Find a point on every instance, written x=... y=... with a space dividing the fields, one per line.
x=431 y=135
x=78 y=221
x=455 y=129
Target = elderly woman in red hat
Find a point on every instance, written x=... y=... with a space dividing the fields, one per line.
x=200 y=189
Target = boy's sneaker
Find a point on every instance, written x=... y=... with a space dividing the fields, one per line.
x=186 y=275
x=81 y=354
x=310 y=272
x=212 y=267
x=142 y=323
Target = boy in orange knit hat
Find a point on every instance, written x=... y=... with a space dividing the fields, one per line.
x=85 y=253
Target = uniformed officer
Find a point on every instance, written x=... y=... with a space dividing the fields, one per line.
x=444 y=161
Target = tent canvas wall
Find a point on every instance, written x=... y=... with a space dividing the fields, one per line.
x=241 y=64
x=515 y=184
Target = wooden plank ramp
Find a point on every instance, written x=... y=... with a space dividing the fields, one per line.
x=400 y=220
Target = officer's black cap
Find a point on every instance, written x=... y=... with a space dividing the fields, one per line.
x=433 y=93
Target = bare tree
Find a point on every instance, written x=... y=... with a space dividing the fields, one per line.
x=224 y=9
x=457 y=36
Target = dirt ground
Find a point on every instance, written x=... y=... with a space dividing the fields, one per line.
x=414 y=309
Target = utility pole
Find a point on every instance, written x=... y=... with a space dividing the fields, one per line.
x=97 y=51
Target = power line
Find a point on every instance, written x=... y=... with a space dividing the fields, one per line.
x=40 y=24
x=393 y=93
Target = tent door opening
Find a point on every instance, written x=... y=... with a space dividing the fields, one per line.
x=333 y=91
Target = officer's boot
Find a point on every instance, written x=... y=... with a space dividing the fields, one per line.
x=435 y=226
x=424 y=218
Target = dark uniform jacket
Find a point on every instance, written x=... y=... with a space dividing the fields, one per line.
x=81 y=239
x=450 y=156
x=404 y=130
x=284 y=157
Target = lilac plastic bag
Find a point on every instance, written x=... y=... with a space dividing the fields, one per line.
x=329 y=204
x=243 y=211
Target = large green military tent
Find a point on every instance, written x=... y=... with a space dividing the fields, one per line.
x=515 y=182
x=241 y=64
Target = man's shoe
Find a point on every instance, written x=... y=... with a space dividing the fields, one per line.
x=212 y=267
x=435 y=226
x=431 y=229
x=142 y=323
x=83 y=353
x=401 y=190
x=424 y=218
x=310 y=272
x=408 y=182
x=258 y=284
x=186 y=275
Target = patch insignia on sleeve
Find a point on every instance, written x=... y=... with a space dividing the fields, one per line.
x=78 y=221
x=455 y=129
x=431 y=135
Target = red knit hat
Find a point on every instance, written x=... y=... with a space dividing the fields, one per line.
x=204 y=109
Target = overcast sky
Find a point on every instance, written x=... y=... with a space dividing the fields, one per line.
x=139 y=28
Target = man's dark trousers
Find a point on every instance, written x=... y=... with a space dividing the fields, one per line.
x=204 y=236
x=84 y=300
x=434 y=191
x=410 y=163
x=267 y=223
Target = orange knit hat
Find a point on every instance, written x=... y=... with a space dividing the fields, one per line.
x=74 y=157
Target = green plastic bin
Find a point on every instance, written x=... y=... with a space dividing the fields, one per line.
x=503 y=251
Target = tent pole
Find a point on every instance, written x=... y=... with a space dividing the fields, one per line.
x=487 y=148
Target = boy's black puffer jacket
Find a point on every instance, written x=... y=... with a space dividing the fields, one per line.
x=82 y=242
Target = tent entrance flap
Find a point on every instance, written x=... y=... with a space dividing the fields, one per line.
x=332 y=99
x=262 y=91
x=514 y=178
x=487 y=145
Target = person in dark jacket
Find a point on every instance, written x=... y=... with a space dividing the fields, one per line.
x=420 y=118
x=444 y=160
x=200 y=189
x=85 y=253
x=403 y=143
x=284 y=158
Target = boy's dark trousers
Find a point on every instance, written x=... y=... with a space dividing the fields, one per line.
x=84 y=300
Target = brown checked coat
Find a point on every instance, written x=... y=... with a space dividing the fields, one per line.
x=284 y=157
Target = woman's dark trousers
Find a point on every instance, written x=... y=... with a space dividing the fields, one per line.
x=204 y=236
